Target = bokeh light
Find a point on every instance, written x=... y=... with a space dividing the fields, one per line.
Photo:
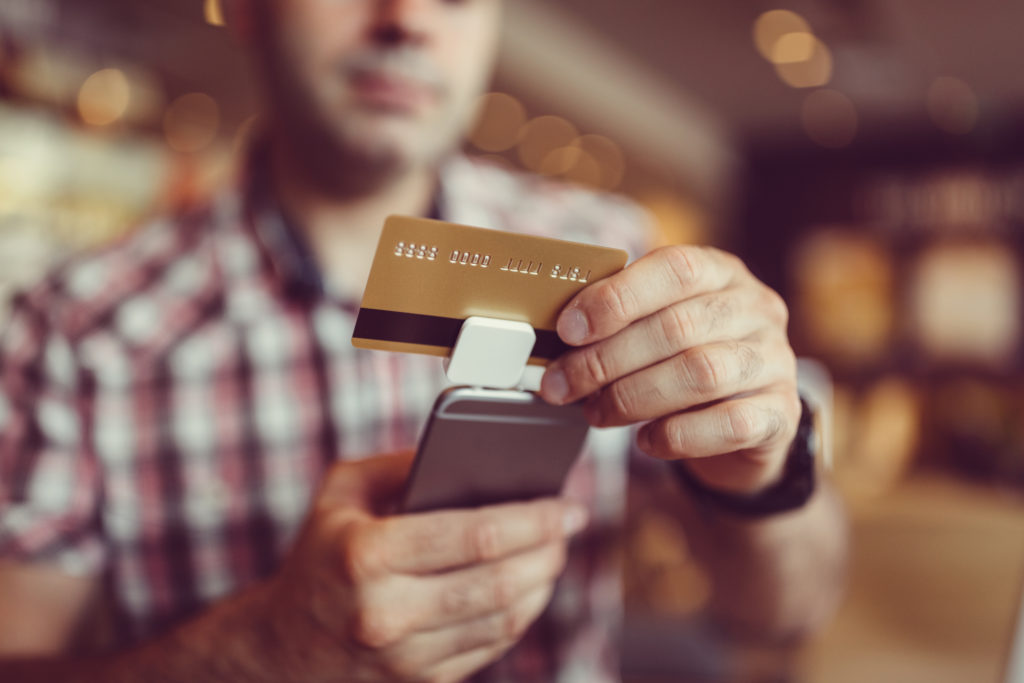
x=966 y=302
x=877 y=432
x=191 y=122
x=793 y=48
x=572 y=163
x=48 y=75
x=562 y=160
x=829 y=118
x=542 y=136
x=499 y=123
x=677 y=220
x=214 y=13
x=104 y=97
x=952 y=105
x=844 y=295
x=813 y=72
x=772 y=26
x=148 y=100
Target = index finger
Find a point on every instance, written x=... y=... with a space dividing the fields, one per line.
x=429 y=542
x=661 y=278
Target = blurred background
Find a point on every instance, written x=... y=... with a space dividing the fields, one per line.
x=866 y=157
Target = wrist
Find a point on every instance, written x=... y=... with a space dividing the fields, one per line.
x=789 y=490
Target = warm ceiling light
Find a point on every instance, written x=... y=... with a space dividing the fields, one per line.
x=191 y=122
x=829 y=118
x=104 y=97
x=500 y=119
x=813 y=72
x=773 y=25
x=214 y=13
x=952 y=105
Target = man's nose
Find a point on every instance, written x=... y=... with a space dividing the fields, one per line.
x=404 y=21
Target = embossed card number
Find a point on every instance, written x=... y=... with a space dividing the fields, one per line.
x=428 y=276
x=476 y=259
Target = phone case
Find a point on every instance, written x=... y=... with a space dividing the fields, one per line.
x=484 y=446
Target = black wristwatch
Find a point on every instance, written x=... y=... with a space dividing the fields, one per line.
x=790 y=492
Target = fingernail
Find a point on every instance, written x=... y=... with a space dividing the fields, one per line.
x=573 y=327
x=574 y=519
x=554 y=386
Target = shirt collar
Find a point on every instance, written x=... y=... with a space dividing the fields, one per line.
x=279 y=236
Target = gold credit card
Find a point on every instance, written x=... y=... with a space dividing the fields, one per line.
x=429 y=276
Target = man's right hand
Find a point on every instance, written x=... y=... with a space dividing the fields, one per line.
x=425 y=597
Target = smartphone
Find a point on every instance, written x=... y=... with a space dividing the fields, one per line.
x=485 y=446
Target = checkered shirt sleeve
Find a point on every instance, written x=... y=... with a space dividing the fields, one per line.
x=49 y=481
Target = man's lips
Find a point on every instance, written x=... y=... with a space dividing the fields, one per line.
x=393 y=93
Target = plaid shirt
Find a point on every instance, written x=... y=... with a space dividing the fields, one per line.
x=169 y=405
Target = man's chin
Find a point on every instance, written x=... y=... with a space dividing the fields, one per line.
x=391 y=142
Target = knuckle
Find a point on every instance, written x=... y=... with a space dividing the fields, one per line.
x=666 y=439
x=774 y=425
x=707 y=371
x=483 y=540
x=456 y=600
x=678 y=324
x=503 y=587
x=594 y=366
x=672 y=437
x=432 y=537
x=718 y=310
x=684 y=266
x=621 y=398
x=743 y=424
x=376 y=628
x=617 y=300
x=750 y=362
x=778 y=310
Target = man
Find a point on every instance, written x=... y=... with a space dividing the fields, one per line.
x=168 y=406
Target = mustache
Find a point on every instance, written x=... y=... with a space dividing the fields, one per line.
x=405 y=62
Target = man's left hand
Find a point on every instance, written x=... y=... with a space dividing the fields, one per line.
x=689 y=341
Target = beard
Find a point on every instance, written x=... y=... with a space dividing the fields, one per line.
x=344 y=147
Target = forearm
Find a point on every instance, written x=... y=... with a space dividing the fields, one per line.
x=777 y=577
x=226 y=643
